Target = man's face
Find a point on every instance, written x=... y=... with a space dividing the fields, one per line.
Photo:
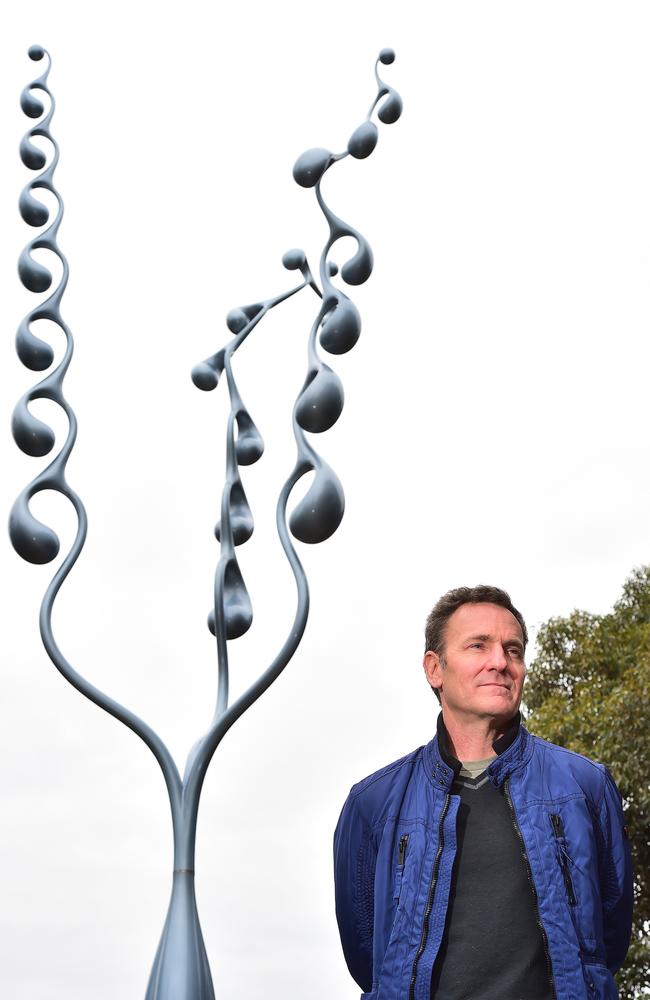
x=481 y=673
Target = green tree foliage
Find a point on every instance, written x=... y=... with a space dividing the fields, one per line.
x=589 y=690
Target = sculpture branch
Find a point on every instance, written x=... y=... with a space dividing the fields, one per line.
x=33 y=540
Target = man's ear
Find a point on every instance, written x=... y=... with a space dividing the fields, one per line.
x=433 y=668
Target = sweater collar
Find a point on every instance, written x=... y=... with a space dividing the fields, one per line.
x=511 y=749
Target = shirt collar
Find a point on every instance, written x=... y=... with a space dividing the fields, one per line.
x=511 y=749
x=500 y=745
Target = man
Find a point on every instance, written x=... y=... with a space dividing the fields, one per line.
x=489 y=864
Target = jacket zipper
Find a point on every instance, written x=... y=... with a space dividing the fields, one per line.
x=506 y=787
x=558 y=830
x=401 y=851
x=432 y=890
x=401 y=858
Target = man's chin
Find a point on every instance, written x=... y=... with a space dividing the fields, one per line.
x=498 y=707
x=502 y=697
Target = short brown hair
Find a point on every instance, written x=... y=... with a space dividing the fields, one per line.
x=435 y=626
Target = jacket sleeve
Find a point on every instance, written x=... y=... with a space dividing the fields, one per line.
x=355 y=859
x=616 y=877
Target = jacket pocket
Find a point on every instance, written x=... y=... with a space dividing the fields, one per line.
x=599 y=981
x=563 y=859
x=566 y=866
x=402 y=849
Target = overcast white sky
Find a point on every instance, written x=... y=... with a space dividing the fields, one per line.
x=495 y=430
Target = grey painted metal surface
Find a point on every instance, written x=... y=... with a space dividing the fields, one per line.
x=180 y=970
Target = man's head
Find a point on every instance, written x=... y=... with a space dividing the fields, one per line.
x=475 y=640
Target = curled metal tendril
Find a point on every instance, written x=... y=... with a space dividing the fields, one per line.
x=34 y=541
x=318 y=406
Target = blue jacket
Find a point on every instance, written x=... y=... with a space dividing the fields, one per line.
x=391 y=905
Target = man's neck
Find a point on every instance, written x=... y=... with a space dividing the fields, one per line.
x=473 y=739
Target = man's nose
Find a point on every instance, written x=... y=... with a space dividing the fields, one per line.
x=497 y=659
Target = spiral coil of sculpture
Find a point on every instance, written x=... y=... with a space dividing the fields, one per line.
x=180 y=970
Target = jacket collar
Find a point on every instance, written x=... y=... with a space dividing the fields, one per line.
x=513 y=750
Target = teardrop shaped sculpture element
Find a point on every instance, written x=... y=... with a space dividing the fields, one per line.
x=341 y=328
x=249 y=445
x=33 y=211
x=32 y=540
x=237 y=607
x=34 y=276
x=31 y=105
x=30 y=434
x=241 y=517
x=310 y=166
x=236 y=320
x=391 y=109
x=319 y=513
x=180 y=969
x=359 y=268
x=33 y=157
x=363 y=140
x=205 y=377
x=320 y=403
x=294 y=259
x=206 y=374
x=34 y=353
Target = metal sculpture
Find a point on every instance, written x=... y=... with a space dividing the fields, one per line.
x=180 y=970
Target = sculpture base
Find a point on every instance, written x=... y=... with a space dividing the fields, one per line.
x=180 y=970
